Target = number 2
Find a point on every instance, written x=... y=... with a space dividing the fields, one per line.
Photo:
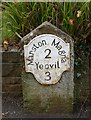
x=48 y=55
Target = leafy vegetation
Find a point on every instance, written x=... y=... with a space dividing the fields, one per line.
x=19 y=18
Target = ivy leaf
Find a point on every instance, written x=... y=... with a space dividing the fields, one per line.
x=78 y=75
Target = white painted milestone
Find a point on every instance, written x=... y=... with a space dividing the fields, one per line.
x=47 y=57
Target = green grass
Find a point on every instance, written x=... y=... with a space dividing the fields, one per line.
x=19 y=18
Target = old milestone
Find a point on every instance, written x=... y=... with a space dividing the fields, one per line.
x=47 y=57
x=48 y=71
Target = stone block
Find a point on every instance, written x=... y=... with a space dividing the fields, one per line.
x=11 y=69
x=11 y=57
x=0 y=57
x=44 y=98
x=12 y=94
x=11 y=80
x=12 y=88
x=0 y=69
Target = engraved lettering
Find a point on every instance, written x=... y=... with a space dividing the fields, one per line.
x=57 y=45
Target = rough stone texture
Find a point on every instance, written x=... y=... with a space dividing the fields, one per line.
x=11 y=57
x=90 y=77
x=49 y=99
x=11 y=73
x=46 y=99
x=8 y=68
x=12 y=100
x=82 y=88
x=11 y=80
x=0 y=88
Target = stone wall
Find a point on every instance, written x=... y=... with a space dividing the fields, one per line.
x=90 y=85
x=11 y=73
x=82 y=88
x=12 y=83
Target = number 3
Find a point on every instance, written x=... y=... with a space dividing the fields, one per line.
x=48 y=77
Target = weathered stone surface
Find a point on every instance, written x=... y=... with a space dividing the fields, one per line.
x=12 y=88
x=45 y=28
x=0 y=70
x=11 y=69
x=11 y=73
x=0 y=85
x=81 y=86
x=12 y=94
x=49 y=99
x=11 y=80
x=0 y=56
x=11 y=57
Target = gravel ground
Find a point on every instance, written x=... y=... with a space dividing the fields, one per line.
x=12 y=107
